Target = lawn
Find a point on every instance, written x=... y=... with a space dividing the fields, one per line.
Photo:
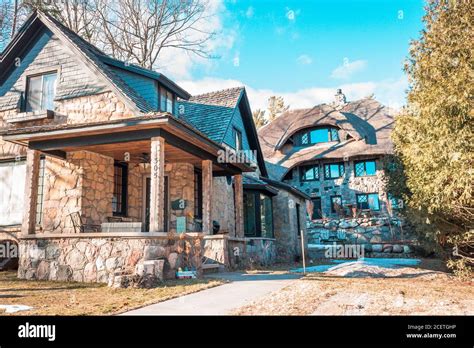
x=424 y=290
x=70 y=298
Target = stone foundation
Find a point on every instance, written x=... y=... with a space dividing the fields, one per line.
x=101 y=259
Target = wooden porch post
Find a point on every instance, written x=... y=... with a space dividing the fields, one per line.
x=157 y=191
x=207 y=196
x=239 y=206
x=31 y=192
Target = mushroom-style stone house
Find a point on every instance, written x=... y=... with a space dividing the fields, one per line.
x=108 y=169
x=334 y=153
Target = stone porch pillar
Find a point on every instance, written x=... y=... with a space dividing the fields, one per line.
x=157 y=190
x=239 y=206
x=31 y=192
x=207 y=196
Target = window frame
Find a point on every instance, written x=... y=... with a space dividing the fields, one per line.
x=162 y=91
x=124 y=193
x=364 y=162
x=42 y=74
x=315 y=169
x=368 y=205
x=237 y=135
x=298 y=137
x=257 y=214
x=341 y=170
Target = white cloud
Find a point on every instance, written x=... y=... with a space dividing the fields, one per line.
x=250 y=12
x=389 y=92
x=304 y=59
x=236 y=60
x=347 y=69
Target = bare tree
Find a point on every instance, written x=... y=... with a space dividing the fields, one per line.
x=276 y=106
x=138 y=31
x=259 y=118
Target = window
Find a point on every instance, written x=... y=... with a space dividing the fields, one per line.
x=40 y=92
x=309 y=173
x=365 y=168
x=39 y=202
x=197 y=194
x=333 y=170
x=237 y=139
x=166 y=100
x=317 y=211
x=258 y=215
x=315 y=136
x=119 y=199
x=395 y=203
x=12 y=192
x=336 y=203
x=368 y=201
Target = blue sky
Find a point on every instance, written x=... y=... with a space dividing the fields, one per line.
x=304 y=50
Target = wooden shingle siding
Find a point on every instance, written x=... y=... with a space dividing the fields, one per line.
x=47 y=53
x=143 y=86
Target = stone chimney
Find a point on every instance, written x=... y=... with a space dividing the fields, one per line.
x=339 y=99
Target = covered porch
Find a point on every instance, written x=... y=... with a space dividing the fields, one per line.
x=155 y=171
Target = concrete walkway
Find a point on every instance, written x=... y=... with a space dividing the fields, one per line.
x=221 y=300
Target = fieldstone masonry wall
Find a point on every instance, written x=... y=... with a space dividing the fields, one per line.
x=101 y=259
x=381 y=236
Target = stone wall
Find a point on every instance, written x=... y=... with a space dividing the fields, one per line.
x=347 y=186
x=223 y=205
x=379 y=235
x=100 y=259
x=260 y=251
x=285 y=225
x=83 y=182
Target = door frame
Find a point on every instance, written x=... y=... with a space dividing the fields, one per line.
x=167 y=201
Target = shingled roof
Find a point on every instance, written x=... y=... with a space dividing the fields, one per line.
x=211 y=113
x=365 y=124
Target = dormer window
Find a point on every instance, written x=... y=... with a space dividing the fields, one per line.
x=166 y=100
x=40 y=92
x=316 y=136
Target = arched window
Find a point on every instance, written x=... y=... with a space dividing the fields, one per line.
x=313 y=136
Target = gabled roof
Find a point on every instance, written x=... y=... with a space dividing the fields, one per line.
x=367 y=122
x=211 y=113
x=95 y=59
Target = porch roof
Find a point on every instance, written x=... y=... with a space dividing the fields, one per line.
x=114 y=137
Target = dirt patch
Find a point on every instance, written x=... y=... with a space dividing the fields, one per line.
x=70 y=298
x=370 y=290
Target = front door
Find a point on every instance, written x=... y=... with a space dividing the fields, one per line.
x=317 y=213
x=147 y=204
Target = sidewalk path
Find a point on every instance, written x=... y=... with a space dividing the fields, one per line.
x=242 y=289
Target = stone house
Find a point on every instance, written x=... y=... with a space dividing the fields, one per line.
x=334 y=153
x=108 y=169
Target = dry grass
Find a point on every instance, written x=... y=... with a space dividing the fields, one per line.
x=407 y=291
x=69 y=298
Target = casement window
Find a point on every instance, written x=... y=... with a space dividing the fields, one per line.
x=336 y=203
x=237 y=139
x=315 y=136
x=119 y=199
x=333 y=170
x=40 y=200
x=40 y=92
x=166 y=100
x=368 y=201
x=258 y=215
x=12 y=189
x=365 y=168
x=309 y=173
